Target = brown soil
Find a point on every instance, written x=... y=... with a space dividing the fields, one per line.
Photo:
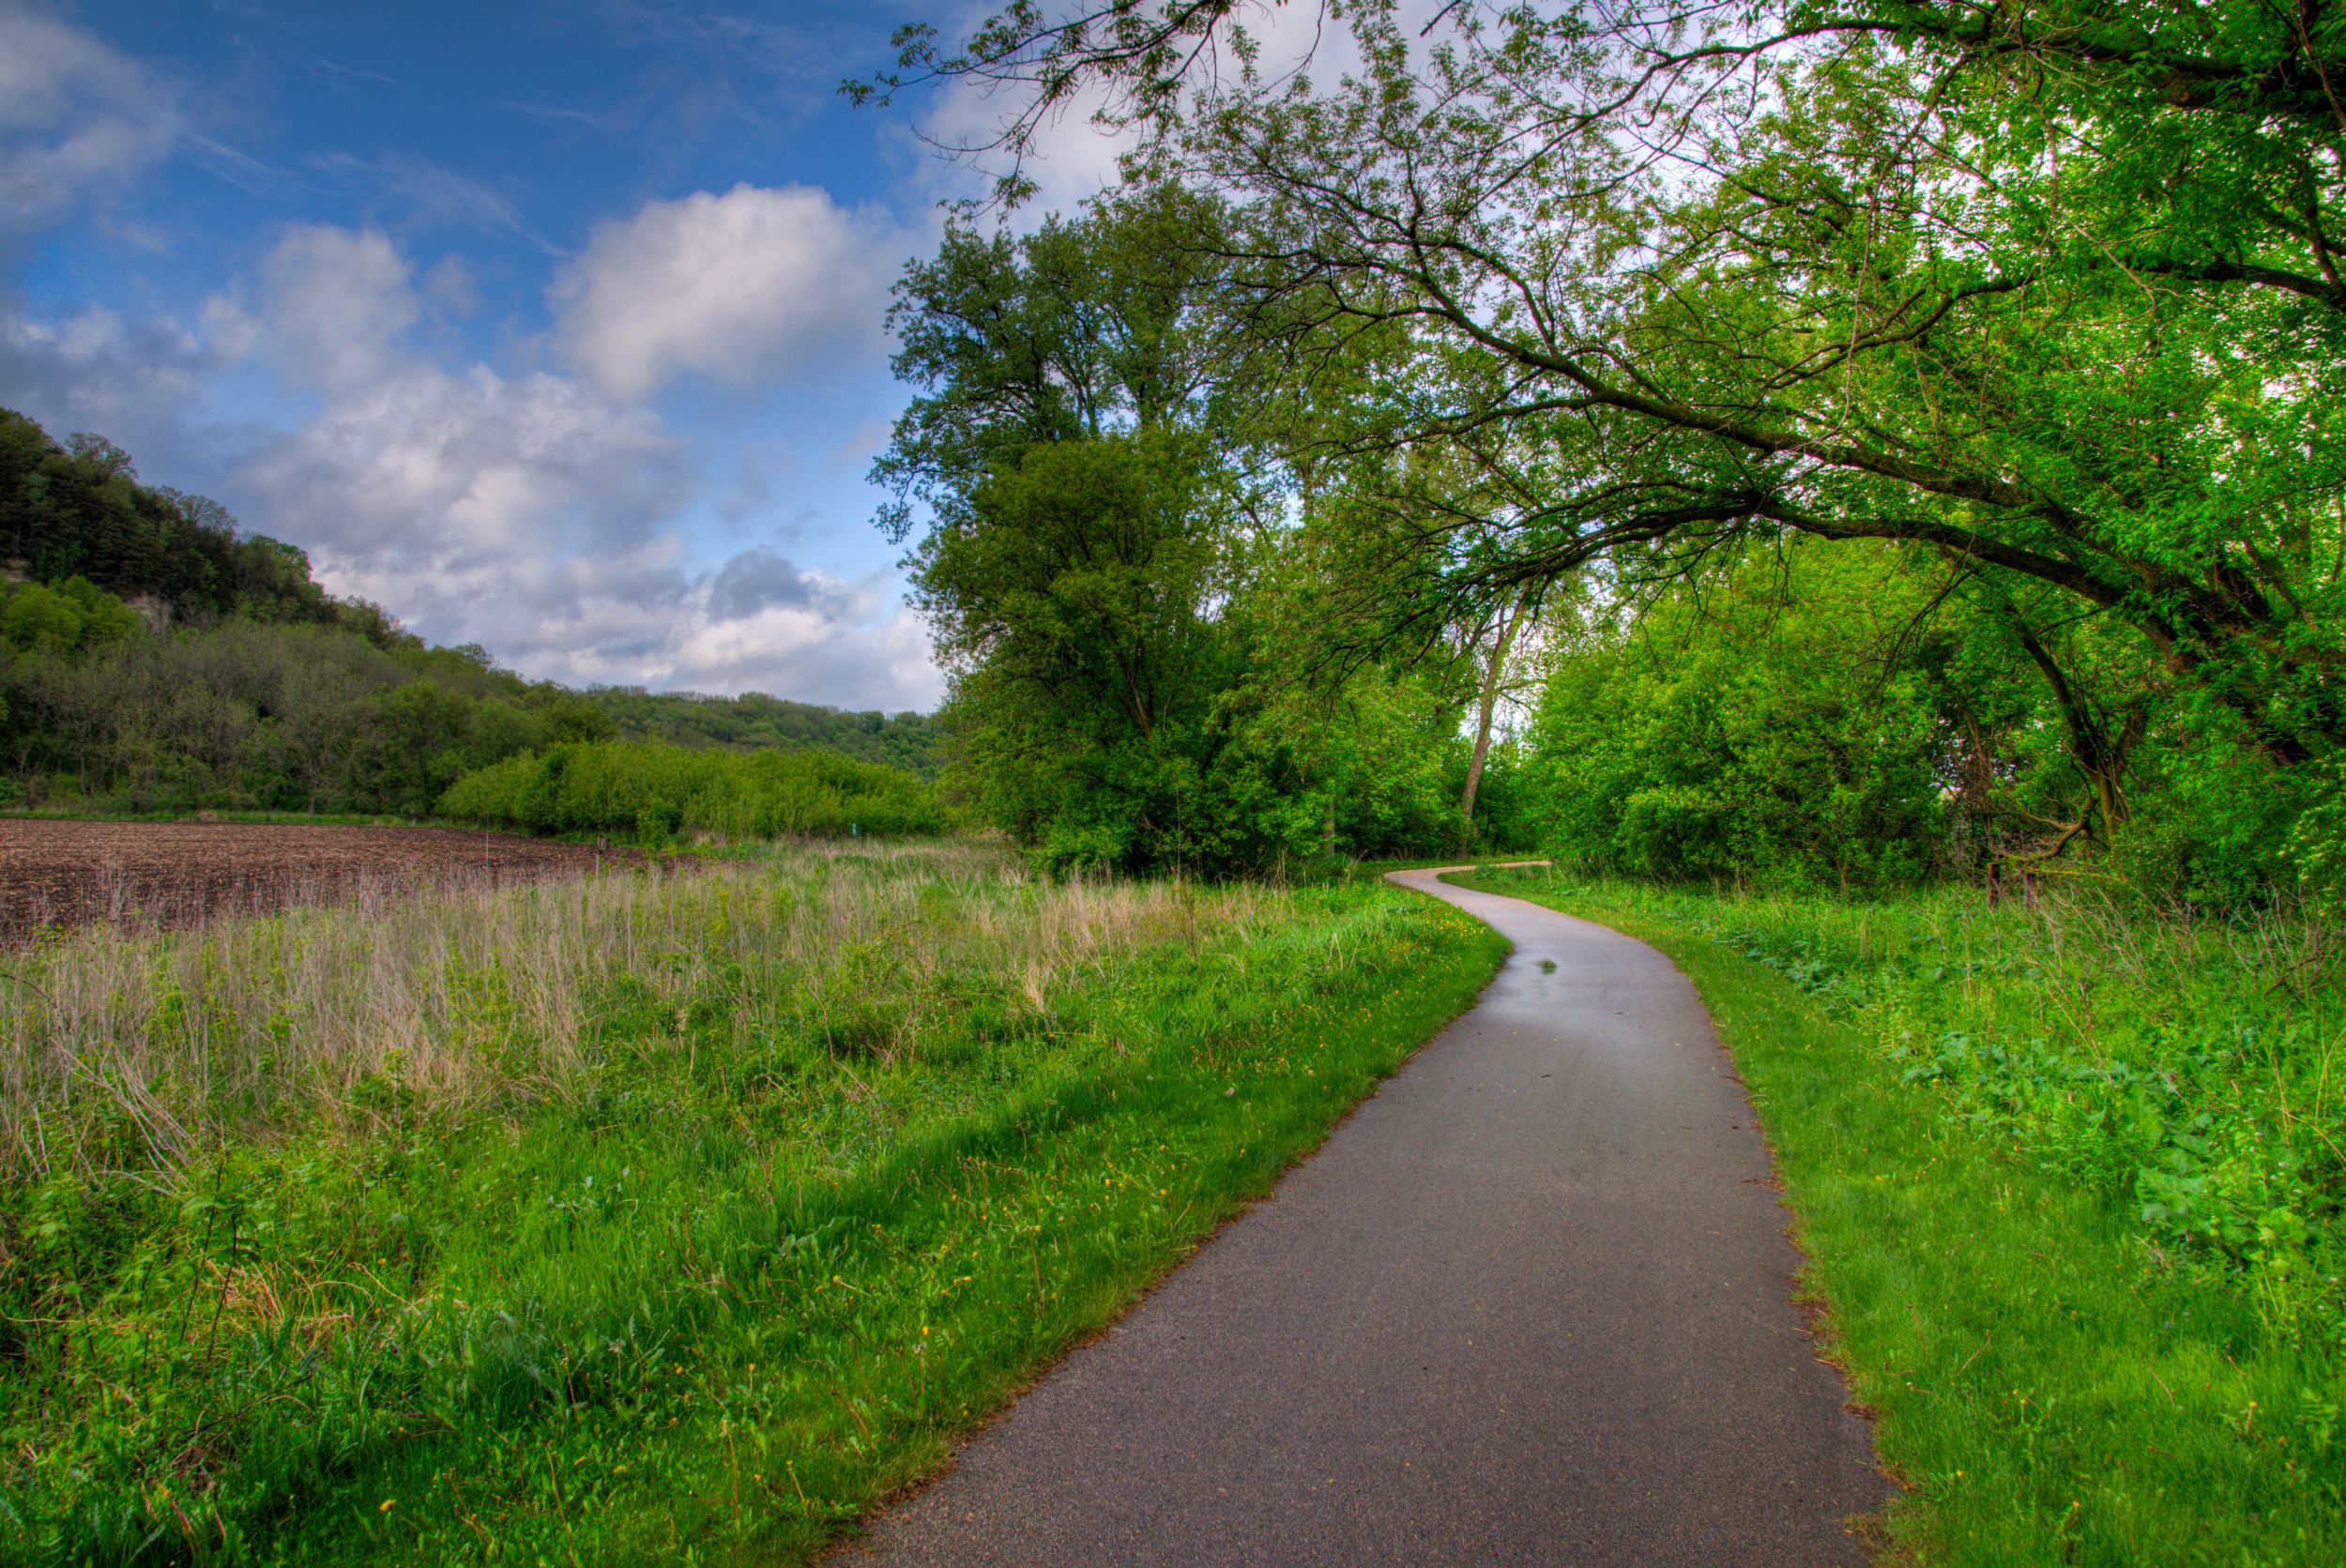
x=147 y=875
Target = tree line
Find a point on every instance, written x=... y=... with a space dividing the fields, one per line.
x=156 y=658
x=1892 y=440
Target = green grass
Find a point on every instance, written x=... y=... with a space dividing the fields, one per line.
x=2068 y=1184
x=644 y=1219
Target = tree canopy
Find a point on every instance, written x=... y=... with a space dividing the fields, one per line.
x=2043 y=300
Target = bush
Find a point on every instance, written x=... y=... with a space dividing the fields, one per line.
x=649 y=790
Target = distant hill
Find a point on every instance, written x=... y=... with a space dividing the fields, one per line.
x=156 y=657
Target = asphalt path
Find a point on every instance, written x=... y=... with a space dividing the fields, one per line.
x=1530 y=1303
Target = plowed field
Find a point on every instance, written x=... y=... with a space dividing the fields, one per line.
x=147 y=875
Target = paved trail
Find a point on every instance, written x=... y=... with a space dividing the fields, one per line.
x=1531 y=1304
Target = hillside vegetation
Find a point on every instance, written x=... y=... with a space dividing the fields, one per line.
x=156 y=658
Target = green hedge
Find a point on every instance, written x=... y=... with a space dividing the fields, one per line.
x=645 y=789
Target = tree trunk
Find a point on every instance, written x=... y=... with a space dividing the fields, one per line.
x=1486 y=700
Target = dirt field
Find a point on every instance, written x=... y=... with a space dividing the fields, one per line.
x=145 y=875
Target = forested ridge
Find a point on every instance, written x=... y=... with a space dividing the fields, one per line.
x=155 y=657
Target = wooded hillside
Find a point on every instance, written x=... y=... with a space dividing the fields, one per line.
x=154 y=656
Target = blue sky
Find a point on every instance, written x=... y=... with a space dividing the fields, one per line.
x=554 y=327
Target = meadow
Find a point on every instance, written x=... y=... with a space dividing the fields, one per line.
x=2068 y=1178
x=676 y=1216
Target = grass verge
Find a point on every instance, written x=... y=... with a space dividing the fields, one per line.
x=2063 y=1371
x=832 y=1153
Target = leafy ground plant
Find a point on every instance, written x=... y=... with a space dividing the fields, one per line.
x=2068 y=1183
x=637 y=1219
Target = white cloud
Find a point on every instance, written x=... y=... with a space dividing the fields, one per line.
x=530 y=513
x=75 y=115
x=746 y=286
x=471 y=489
x=335 y=303
x=858 y=643
x=133 y=381
x=537 y=518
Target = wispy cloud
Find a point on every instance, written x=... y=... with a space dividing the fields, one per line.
x=556 y=111
x=335 y=68
x=434 y=194
x=77 y=117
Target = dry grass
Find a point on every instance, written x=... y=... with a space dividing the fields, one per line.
x=135 y=1052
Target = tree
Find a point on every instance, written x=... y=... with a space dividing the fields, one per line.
x=1766 y=723
x=1087 y=327
x=1078 y=607
x=2051 y=289
x=1496 y=676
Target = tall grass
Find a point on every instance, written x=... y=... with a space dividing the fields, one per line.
x=645 y=1216
x=2191 y=1071
x=138 y=1055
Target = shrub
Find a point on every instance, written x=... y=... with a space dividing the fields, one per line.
x=649 y=790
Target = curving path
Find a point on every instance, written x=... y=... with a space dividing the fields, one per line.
x=1531 y=1303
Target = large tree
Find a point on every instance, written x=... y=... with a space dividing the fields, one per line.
x=2050 y=289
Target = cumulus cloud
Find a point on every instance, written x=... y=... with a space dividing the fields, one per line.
x=334 y=305
x=75 y=115
x=854 y=644
x=135 y=381
x=529 y=513
x=470 y=491
x=537 y=518
x=745 y=286
x=758 y=579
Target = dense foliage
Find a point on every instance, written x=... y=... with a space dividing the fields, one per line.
x=650 y=791
x=1124 y=606
x=1746 y=735
x=2030 y=314
x=754 y=721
